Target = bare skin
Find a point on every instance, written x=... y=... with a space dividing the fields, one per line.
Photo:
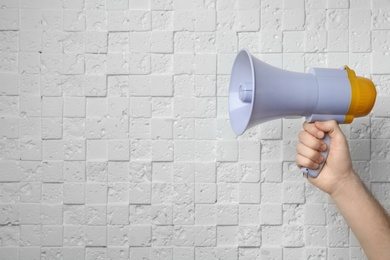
x=364 y=214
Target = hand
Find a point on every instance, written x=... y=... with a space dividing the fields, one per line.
x=338 y=166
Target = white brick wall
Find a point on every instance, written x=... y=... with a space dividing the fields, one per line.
x=114 y=134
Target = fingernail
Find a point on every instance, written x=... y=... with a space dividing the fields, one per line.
x=323 y=147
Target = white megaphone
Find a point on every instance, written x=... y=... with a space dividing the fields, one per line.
x=259 y=93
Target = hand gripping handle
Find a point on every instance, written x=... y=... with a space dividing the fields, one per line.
x=314 y=173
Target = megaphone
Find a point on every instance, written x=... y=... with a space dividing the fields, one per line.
x=259 y=92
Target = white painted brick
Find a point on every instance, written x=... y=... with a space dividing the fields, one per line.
x=185 y=172
x=249 y=214
x=271 y=235
x=315 y=214
x=293 y=19
x=30 y=19
x=379 y=18
x=249 y=150
x=74 y=193
x=9 y=127
x=29 y=214
x=224 y=63
x=183 y=20
x=338 y=41
x=271 y=214
x=74 y=235
x=205 y=193
x=249 y=193
x=338 y=236
x=96 y=236
x=10 y=214
x=52 y=235
x=161 y=42
x=30 y=235
x=139 y=20
x=360 y=41
x=31 y=149
x=271 y=18
x=95 y=193
x=9 y=235
x=270 y=41
x=205 y=172
x=227 y=193
x=205 y=236
x=94 y=214
x=118 y=150
x=204 y=150
x=118 y=63
x=51 y=214
x=227 y=172
x=379 y=41
x=9 y=4
x=30 y=192
x=162 y=20
x=118 y=192
x=11 y=65
x=30 y=106
x=360 y=19
x=227 y=235
x=162 y=172
x=139 y=193
x=96 y=42
x=204 y=42
x=227 y=214
x=140 y=235
x=74 y=20
x=379 y=63
x=161 y=85
x=96 y=171
x=249 y=236
x=360 y=149
x=9 y=84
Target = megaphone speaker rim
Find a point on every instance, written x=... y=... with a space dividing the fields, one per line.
x=240 y=112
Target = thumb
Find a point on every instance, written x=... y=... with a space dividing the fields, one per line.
x=331 y=127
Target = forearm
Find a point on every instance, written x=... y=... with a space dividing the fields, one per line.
x=366 y=217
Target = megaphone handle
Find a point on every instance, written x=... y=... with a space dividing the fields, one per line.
x=314 y=173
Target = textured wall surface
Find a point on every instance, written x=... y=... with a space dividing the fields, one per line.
x=115 y=141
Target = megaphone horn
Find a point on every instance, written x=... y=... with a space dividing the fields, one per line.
x=259 y=92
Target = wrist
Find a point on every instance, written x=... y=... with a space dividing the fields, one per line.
x=350 y=182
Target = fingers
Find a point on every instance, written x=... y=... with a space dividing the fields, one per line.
x=310 y=154
x=312 y=129
x=311 y=141
x=331 y=127
x=310 y=146
x=305 y=162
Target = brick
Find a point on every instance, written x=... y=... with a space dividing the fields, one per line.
x=30 y=235
x=96 y=236
x=74 y=235
x=139 y=20
x=52 y=235
x=140 y=235
x=30 y=19
x=95 y=193
x=96 y=171
x=74 y=193
x=9 y=62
